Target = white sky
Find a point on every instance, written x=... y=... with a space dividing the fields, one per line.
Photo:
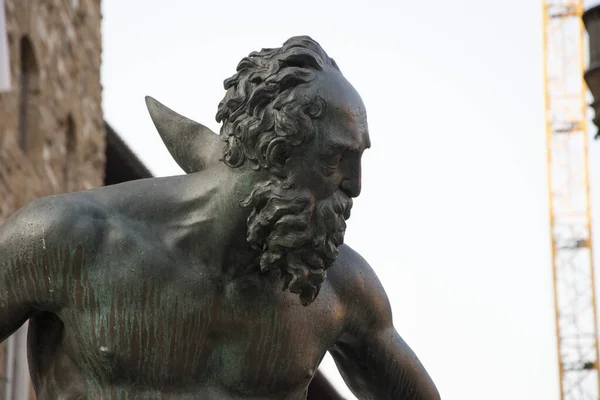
x=453 y=215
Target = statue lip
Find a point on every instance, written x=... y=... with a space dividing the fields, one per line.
x=193 y=146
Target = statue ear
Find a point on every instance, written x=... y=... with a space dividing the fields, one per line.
x=192 y=145
x=276 y=156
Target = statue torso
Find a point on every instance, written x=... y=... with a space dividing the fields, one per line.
x=144 y=321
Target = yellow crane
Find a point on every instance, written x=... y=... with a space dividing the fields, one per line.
x=569 y=196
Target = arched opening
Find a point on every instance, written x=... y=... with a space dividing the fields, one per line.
x=28 y=89
x=71 y=149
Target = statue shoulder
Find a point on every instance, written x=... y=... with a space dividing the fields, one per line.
x=37 y=241
x=350 y=270
x=52 y=220
x=359 y=289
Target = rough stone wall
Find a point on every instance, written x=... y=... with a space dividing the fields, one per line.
x=65 y=39
x=61 y=113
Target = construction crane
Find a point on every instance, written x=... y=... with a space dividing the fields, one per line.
x=569 y=195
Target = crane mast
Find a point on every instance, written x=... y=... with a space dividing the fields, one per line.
x=569 y=196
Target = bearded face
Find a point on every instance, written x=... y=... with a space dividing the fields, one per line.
x=299 y=212
x=291 y=115
x=299 y=235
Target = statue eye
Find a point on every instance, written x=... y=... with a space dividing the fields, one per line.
x=332 y=160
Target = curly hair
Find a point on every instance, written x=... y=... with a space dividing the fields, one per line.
x=262 y=105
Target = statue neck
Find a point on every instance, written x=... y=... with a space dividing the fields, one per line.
x=210 y=223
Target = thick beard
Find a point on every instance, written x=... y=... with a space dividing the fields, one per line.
x=298 y=236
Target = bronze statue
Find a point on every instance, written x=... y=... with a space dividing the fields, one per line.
x=229 y=282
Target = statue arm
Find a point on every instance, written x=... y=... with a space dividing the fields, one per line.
x=373 y=359
x=24 y=286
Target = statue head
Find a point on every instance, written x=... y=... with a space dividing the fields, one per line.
x=290 y=112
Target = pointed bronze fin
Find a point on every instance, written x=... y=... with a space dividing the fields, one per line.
x=192 y=145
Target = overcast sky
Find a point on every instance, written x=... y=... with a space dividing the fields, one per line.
x=453 y=216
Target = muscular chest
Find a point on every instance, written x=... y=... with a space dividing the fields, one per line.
x=161 y=325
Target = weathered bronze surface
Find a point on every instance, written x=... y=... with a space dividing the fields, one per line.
x=591 y=20
x=229 y=282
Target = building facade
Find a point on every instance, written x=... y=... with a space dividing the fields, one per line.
x=51 y=127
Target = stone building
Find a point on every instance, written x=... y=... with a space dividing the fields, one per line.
x=51 y=127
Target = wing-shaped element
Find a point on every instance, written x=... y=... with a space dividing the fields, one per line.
x=192 y=145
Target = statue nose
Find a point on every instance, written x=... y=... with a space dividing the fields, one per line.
x=351 y=187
